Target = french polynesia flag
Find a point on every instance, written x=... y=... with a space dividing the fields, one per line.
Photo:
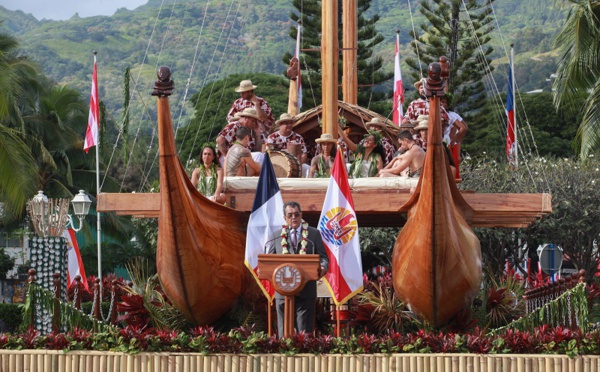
x=75 y=264
x=266 y=218
x=339 y=230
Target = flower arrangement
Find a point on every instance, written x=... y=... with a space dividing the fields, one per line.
x=303 y=241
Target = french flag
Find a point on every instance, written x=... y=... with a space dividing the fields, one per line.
x=299 y=78
x=266 y=218
x=510 y=114
x=339 y=229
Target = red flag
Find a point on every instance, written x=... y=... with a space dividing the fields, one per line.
x=75 y=264
x=339 y=230
x=91 y=134
x=398 y=115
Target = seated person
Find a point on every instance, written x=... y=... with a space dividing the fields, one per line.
x=388 y=146
x=285 y=135
x=368 y=158
x=247 y=118
x=239 y=161
x=422 y=129
x=208 y=177
x=408 y=164
x=321 y=165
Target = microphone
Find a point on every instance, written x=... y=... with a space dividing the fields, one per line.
x=271 y=243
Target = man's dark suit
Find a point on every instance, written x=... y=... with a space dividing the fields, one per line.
x=305 y=300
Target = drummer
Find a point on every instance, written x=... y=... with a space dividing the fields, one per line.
x=285 y=136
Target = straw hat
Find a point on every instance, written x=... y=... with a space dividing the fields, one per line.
x=249 y=113
x=285 y=118
x=410 y=125
x=423 y=122
x=326 y=137
x=418 y=83
x=245 y=85
x=235 y=117
x=376 y=121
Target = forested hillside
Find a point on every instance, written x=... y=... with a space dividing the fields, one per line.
x=219 y=38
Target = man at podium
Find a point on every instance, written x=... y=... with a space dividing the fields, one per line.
x=296 y=237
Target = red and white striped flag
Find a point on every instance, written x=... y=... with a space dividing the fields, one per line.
x=339 y=230
x=299 y=78
x=91 y=134
x=398 y=115
x=75 y=264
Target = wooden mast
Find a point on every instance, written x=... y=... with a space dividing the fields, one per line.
x=329 y=65
x=349 y=53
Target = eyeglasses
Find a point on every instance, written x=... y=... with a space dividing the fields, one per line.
x=290 y=215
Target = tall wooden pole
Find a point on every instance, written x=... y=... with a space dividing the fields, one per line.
x=349 y=53
x=329 y=61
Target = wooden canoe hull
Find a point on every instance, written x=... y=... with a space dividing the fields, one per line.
x=200 y=249
x=437 y=257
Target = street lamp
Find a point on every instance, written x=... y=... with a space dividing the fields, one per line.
x=51 y=216
x=81 y=206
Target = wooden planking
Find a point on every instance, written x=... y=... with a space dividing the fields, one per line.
x=374 y=207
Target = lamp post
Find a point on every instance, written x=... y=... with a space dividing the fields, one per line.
x=50 y=217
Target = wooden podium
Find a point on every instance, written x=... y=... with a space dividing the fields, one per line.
x=288 y=273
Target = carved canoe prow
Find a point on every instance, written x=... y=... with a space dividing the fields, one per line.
x=437 y=257
x=200 y=249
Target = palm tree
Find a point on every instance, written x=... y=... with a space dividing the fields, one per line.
x=578 y=75
x=18 y=170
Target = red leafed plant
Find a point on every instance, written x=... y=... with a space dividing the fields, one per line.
x=56 y=341
x=132 y=310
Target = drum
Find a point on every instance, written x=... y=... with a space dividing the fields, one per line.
x=285 y=164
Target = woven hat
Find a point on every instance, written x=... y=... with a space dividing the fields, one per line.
x=249 y=112
x=418 y=83
x=235 y=117
x=410 y=125
x=423 y=122
x=245 y=85
x=375 y=121
x=326 y=137
x=285 y=118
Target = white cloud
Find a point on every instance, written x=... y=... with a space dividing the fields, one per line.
x=65 y=9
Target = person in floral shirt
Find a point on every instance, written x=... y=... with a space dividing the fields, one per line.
x=249 y=119
x=285 y=135
x=420 y=107
x=250 y=100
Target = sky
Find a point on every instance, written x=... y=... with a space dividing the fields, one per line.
x=65 y=9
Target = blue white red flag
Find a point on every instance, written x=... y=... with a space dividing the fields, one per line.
x=74 y=261
x=266 y=218
x=511 y=145
x=91 y=134
x=398 y=114
x=339 y=230
x=299 y=78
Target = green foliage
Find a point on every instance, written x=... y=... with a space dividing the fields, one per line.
x=461 y=33
x=12 y=316
x=7 y=263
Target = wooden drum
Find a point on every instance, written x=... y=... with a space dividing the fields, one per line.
x=285 y=164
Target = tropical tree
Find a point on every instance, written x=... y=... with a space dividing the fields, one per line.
x=578 y=75
x=18 y=170
x=460 y=31
x=369 y=67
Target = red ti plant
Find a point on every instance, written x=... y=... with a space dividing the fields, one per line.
x=133 y=312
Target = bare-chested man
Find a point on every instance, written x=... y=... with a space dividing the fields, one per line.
x=408 y=164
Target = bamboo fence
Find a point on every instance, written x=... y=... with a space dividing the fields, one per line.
x=95 y=361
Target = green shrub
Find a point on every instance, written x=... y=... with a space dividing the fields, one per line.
x=11 y=316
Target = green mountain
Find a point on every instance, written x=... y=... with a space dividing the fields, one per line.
x=204 y=41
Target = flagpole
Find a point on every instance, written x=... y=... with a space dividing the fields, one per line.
x=512 y=72
x=98 y=224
